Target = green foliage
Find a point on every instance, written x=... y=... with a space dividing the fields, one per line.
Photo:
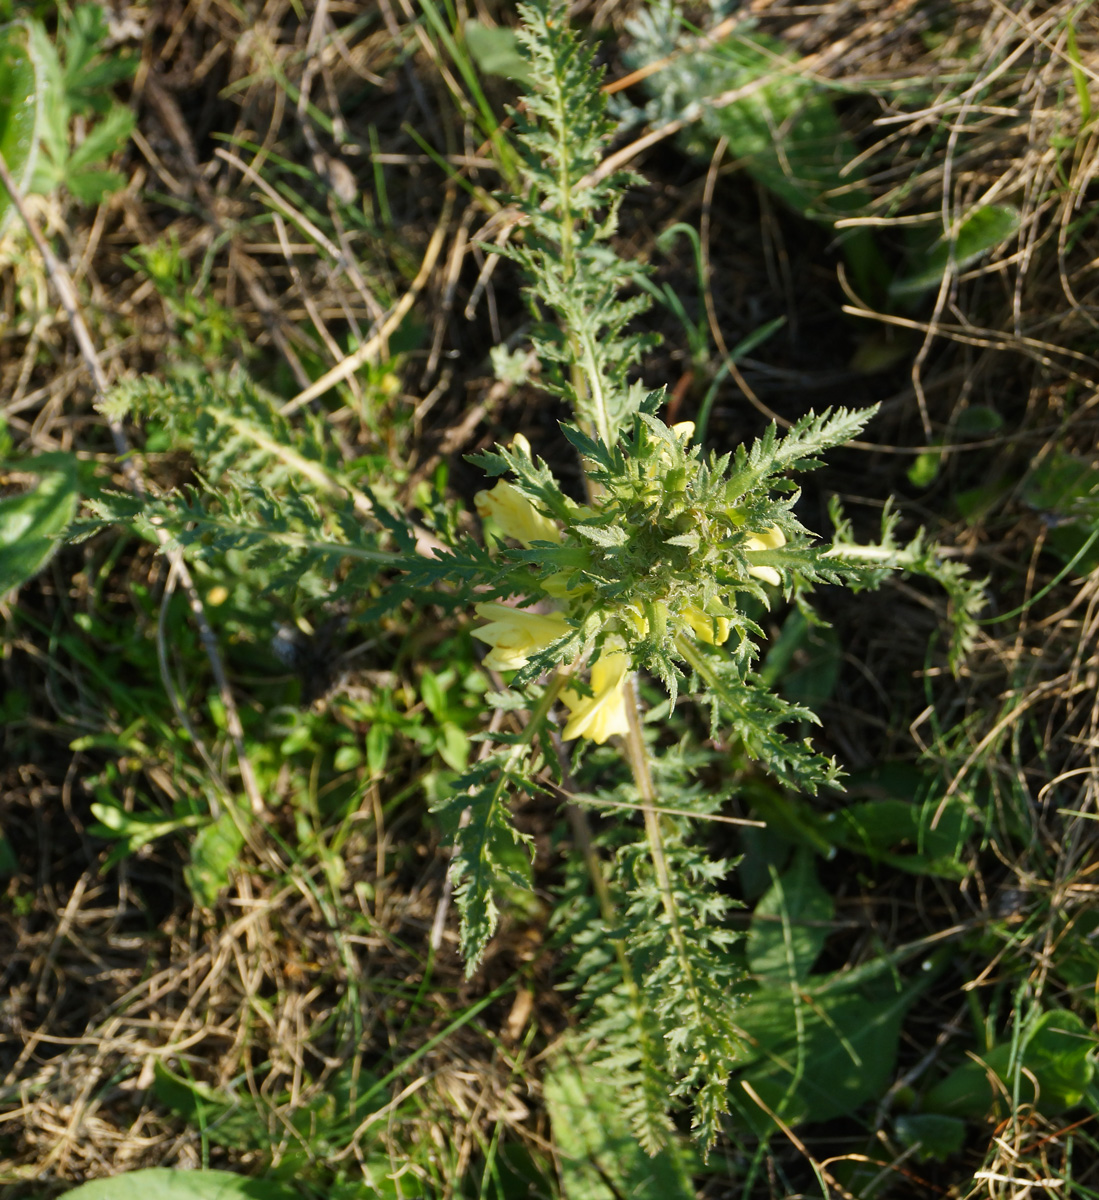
x=486 y=842
x=206 y=327
x=214 y=852
x=790 y=923
x=21 y=107
x=776 y=117
x=32 y=523
x=77 y=77
x=919 y=557
x=1064 y=489
x=666 y=567
x=822 y=1046
x=1051 y=1065
x=782 y=128
x=983 y=230
x=977 y=421
x=908 y=825
x=163 y=1183
x=569 y=219
x=133 y=830
x=495 y=50
x=599 y=1156
x=673 y=533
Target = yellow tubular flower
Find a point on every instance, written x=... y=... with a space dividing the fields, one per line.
x=711 y=630
x=599 y=716
x=770 y=539
x=515 y=515
x=684 y=431
x=515 y=634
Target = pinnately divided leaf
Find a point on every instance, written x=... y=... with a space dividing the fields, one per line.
x=489 y=852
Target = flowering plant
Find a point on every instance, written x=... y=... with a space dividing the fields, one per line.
x=662 y=570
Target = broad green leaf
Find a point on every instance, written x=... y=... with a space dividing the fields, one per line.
x=378 y=738
x=931 y=1135
x=19 y=109
x=783 y=130
x=981 y=232
x=599 y=1156
x=803 y=661
x=32 y=522
x=820 y=1052
x=916 y=837
x=454 y=746
x=1067 y=487
x=789 y=924
x=1056 y=1054
x=495 y=50
x=213 y=853
x=434 y=696
x=924 y=468
x=133 y=830
x=978 y=421
x=1063 y=484
x=161 y=1183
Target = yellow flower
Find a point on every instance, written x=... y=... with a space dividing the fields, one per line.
x=515 y=634
x=770 y=539
x=515 y=515
x=599 y=716
x=712 y=630
x=684 y=431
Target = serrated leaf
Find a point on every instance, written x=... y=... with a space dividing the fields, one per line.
x=32 y=522
x=603 y=535
x=89 y=187
x=106 y=137
x=489 y=852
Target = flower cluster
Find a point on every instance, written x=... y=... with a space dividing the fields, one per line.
x=622 y=572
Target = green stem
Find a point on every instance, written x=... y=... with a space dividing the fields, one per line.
x=638 y=757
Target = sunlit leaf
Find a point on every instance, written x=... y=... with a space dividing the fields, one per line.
x=159 y=1183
